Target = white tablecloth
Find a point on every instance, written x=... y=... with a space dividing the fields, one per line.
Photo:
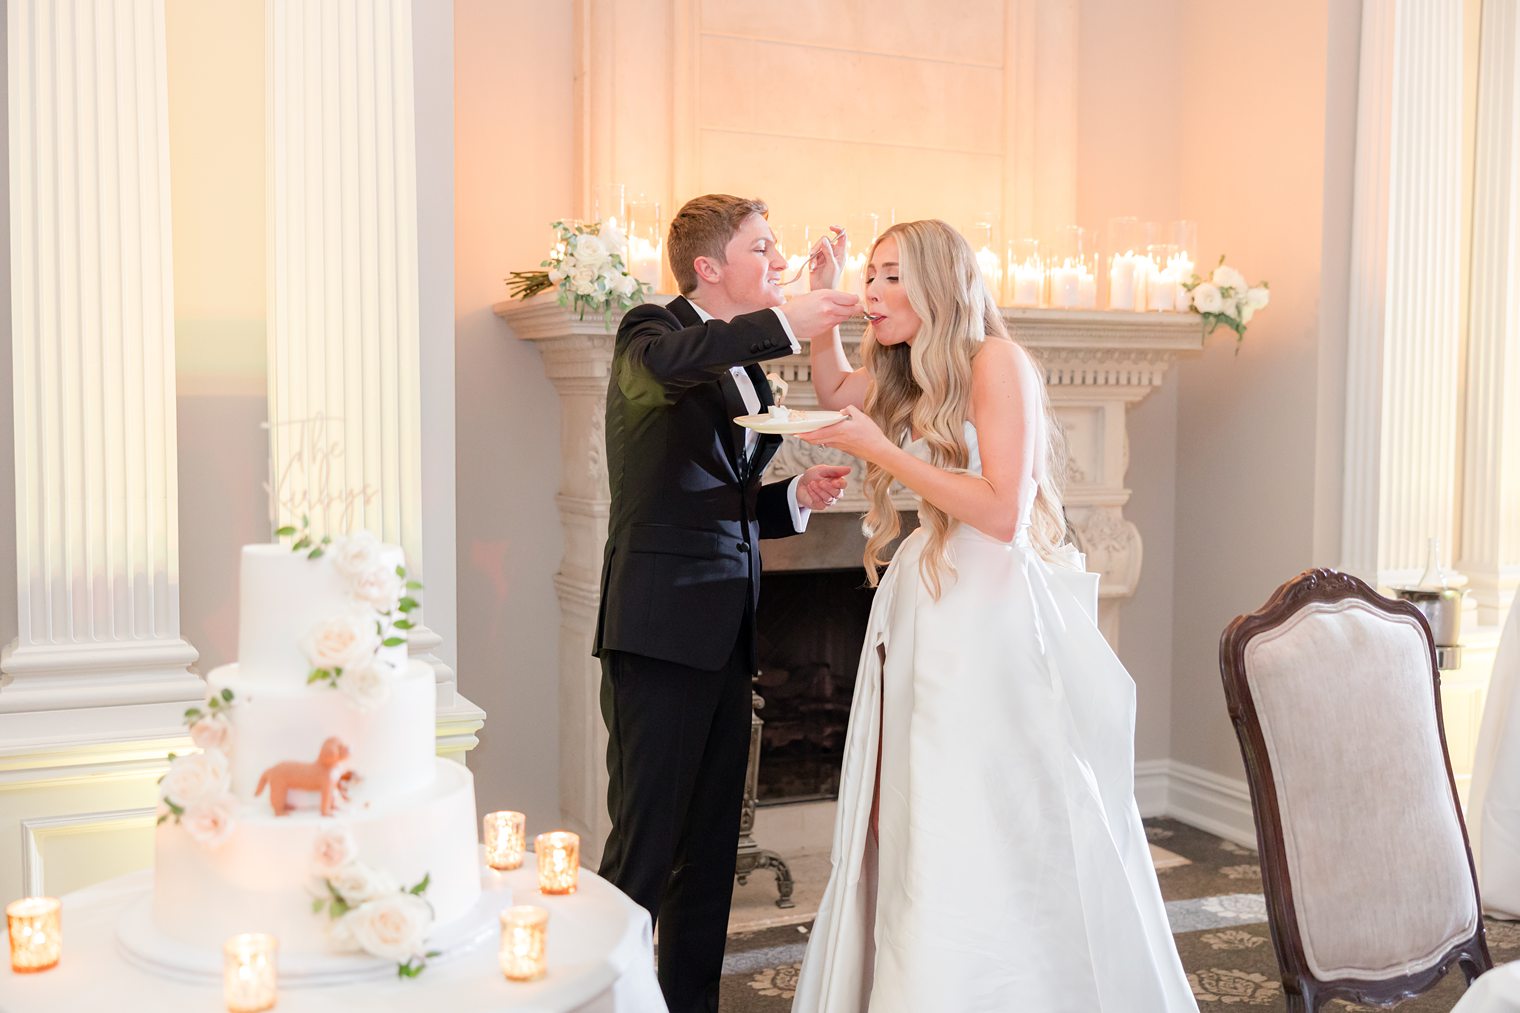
x=1498 y=991
x=1493 y=801
x=599 y=962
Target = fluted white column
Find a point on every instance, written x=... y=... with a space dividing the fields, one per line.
x=1404 y=344
x=92 y=336
x=344 y=348
x=1491 y=474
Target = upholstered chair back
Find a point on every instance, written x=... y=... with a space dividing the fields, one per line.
x=1335 y=695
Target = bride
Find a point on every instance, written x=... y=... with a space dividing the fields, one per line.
x=988 y=853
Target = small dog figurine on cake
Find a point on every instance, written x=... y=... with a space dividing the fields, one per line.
x=282 y=777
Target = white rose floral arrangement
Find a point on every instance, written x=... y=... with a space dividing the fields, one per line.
x=589 y=266
x=344 y=650
x=370 y=911
x=196 y=793
x=1225 y=299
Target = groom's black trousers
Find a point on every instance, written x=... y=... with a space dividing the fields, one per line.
x=678 y=744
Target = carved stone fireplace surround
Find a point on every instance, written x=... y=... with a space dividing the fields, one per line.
x=1097 y=364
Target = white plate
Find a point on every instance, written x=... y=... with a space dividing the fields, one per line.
x=798 y=422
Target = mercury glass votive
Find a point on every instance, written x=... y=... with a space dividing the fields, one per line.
x=36 y=930
x=559 y=861
x=249 y=982
x=524 y=942
x=506 y=839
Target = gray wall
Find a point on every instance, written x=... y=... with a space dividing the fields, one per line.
x=7 y=404
x=1257 y=431
x=433 y=86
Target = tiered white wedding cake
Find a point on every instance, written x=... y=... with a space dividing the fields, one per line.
x=316 y=809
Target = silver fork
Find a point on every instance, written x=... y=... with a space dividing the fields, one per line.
x=807 y=264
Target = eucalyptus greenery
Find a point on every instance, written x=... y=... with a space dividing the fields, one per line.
x=313 y=549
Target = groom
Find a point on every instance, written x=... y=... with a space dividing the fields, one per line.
x=681 y=573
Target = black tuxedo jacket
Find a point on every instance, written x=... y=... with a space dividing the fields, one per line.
x=682 y=562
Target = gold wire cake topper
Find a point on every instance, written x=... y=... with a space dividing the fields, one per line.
x=308 y=478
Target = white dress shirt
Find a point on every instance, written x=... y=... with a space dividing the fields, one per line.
x=751 y=398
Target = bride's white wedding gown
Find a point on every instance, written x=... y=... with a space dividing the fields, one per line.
x=1013 y=872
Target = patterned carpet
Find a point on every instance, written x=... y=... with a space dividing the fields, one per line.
x=1217 y=913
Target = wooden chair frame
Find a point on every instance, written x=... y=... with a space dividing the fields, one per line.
x=1304 y=992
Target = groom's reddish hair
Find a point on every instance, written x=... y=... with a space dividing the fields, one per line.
x=702 y=228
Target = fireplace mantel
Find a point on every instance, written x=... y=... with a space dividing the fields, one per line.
x=1097 y=364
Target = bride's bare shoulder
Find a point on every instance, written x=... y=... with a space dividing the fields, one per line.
x=1001 y=361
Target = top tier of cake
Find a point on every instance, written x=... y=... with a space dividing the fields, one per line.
x=286 y=597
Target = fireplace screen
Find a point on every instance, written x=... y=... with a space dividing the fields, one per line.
x=809 y=629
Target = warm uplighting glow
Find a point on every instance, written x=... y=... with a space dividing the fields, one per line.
x=559 y=860
x=524 y=942
x=248 y=972
x=36 y=929
x=506 y=839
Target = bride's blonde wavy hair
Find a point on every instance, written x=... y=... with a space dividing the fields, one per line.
x=925 y=387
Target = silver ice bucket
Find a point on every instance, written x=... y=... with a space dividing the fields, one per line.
x=1443 y=610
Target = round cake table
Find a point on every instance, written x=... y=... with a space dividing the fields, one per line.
x=599 y=955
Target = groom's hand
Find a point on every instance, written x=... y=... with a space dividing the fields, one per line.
x=821 y=486
x=817 y=313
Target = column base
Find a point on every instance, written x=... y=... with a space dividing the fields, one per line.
x=87 y=676
x=421 y=642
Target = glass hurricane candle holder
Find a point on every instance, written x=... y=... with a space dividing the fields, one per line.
x=559 y=861
x=1183 y=234
x=249 y=981
x=1161 y=281
x=1072 y=266
x=861 y=231
x=506 y=839
x=1126 y=263
x=524 y=942
x=982 y=235
x=1025 y=273
x=609 y=201
x=35 y=925
x=792 y=240
x=646 y=243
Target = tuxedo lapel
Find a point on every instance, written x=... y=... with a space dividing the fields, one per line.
x=765 y=447
x=732 y=401
x=733 y=404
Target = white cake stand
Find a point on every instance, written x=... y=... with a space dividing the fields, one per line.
x=141 y=943
x=599 y=955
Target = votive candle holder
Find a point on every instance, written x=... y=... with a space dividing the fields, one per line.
x=249 y=979
x=559 y=861
x=524 y=942
x=506 y=839
x=35 y=925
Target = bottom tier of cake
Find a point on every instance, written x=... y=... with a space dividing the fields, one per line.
x=266 y=876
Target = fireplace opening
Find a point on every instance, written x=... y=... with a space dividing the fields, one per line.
x=809 y=630
x=814 y=609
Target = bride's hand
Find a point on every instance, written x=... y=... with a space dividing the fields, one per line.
x=858 y=435
x=828 y=261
